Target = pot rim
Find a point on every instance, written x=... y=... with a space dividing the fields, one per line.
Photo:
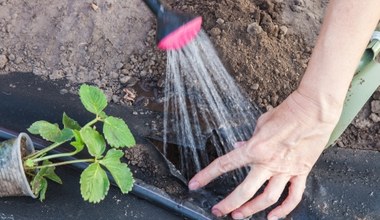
x=29 y=147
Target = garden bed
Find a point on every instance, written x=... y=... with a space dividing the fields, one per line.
x=265 y=44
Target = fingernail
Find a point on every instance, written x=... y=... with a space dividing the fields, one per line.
x=216 y=212
x=237 y=215
x=273 y=218
x=194 y=185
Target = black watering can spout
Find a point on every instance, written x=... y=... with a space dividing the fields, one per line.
x=174 y=30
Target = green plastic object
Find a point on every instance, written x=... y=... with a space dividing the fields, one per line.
x=363 y=85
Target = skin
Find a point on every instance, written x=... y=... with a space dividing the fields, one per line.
x=289 y=139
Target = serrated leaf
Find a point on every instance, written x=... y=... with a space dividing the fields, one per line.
x=50 y=132
x=93 y=99
x=66 y=134
x=120 y=171
x=38 y=183
x=70 y=123
x=94 y=183
x=117 y=133
x=94 y=141
x=51 y=175
x=43 y=189
x=47 y=130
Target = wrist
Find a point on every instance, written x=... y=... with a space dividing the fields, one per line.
x=320 y=105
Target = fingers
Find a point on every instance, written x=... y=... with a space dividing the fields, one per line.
x=269 y=197
x=296 y=190
x=233 y=160
x=244 y=192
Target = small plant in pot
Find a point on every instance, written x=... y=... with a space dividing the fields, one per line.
x=19 y=162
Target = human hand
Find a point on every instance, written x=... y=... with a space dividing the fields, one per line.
x=284 y=147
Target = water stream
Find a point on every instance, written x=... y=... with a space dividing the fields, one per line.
x=204 y=109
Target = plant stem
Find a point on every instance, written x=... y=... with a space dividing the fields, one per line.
x=54 y=156
x=41 y=152
x=62 y=163
x=93 y=121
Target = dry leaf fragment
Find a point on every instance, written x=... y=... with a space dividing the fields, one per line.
x=94 y=6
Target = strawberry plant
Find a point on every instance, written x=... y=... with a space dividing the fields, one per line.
x=103 y=148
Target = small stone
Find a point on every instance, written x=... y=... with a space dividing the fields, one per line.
x=269 y=107
x=254 y=28
x=114 y=75
x=62 y=48
x=132 y=81
x=56 y=74
x=3 y=61
x=125 y=79
x=135 y=113
x=143 y=73
x=18 y=60
x=133 y=59
x=375 y=106
x=340 y=144
x=119 y=65
x=375 y=117
x=274 y=99
x=220 y=21
x=255 y=86
x=11 y=57
x=376 y=95
x=161 y=83
x=215 y=31
x=283 y=30
x=115 y=98
x=63 y=91
x=362 y=123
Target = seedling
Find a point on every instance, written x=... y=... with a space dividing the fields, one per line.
x=94 y=183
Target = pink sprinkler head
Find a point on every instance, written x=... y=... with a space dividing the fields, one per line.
x=174 y=30
x=180 y=37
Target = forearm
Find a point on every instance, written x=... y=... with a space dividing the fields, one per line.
x=345 y=32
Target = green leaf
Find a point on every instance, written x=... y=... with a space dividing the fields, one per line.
x=47 y=130
x=43 y=189
x=70 y=123
x=117 y=133
x=94 y=183
x=78 y=146
x=92 y=98
x=65 y=135
x=103 y=115
x=78 y=143
x=51 y=175
x=94 y=141
x=50 y=132
x=39 y=183
x=120 y=171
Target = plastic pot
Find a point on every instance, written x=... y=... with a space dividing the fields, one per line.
x=13 y=181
